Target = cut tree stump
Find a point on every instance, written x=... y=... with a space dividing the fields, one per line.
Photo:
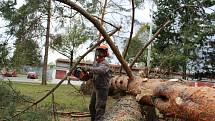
x=174 y=98
x=126 y=109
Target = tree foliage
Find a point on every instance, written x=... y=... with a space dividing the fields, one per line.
x=24 y=22
x=137 y=43
x=27 y=53
x=178 y=44
x=204 y=64
x=68 y=44
x=25 y=25
x=4 y=54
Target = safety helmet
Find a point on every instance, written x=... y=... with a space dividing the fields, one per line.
x=104 y=48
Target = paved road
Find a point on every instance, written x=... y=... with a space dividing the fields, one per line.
x=25 y=79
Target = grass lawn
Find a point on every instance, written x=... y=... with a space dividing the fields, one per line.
x=66 y=96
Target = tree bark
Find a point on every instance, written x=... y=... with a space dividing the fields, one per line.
x=173 y=98
x=126 y=109
x=45 y=63
x=131 y=33
x=70 y=64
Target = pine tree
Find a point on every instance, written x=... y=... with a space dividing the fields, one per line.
x=177 y=44
x=25 y=25
x=4 y=53
x=27 y=53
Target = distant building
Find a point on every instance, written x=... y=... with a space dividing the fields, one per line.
x=62 y=67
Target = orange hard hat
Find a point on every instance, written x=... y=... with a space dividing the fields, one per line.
x=102 y=46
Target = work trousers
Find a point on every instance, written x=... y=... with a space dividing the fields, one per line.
x=98 y=103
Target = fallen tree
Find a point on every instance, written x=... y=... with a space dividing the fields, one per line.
x=127 y=109
x=173 y=98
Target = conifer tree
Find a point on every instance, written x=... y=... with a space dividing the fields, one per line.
x=178 y=44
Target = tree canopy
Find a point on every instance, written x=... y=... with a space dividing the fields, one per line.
x=68 y=44
x=24 y=24
x=27 y=53
x=180 y=43
x=138 y=41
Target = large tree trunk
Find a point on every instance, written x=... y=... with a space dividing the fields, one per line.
x=126 y=109
x=45 y=63
x=70 y=64
x=173 y=98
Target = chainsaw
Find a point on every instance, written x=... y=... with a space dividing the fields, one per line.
x=80 y=73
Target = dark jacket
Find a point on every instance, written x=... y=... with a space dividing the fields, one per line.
x=101 y=75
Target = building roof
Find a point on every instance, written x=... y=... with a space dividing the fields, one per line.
x=68 y=61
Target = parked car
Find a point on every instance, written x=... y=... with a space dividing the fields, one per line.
x=32 y=75
x=9 y=73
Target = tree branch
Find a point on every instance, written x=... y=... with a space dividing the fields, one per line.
x=103 y=32
x=105 y=21
x=131 y=33
x=149 y=42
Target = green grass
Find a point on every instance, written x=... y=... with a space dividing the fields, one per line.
x=66 y=97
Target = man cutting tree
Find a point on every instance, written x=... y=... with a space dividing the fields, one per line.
x=101 y=75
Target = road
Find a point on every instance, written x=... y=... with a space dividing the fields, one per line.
x=24 y=79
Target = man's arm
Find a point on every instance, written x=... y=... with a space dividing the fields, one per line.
x=102 y=69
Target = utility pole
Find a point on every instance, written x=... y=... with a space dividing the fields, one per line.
x=150 y=35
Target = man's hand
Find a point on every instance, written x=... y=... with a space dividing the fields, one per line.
x=76 y=72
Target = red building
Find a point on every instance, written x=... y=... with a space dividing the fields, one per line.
x=62 y=67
